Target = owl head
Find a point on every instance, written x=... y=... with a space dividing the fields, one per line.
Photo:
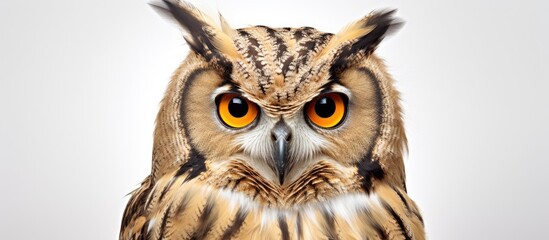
x=270 y=111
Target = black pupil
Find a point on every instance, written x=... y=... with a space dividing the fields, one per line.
x=238 y=107
x=325 y=107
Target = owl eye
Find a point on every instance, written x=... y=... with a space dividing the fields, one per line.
x=236 y=111
x=327 y=110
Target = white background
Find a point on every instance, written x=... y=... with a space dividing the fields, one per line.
x=80 y=83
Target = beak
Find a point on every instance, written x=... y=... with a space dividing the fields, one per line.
x=281 y=135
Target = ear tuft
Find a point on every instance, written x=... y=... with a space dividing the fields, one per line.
x=202 y=33
x=361 y=36
x=381 y=24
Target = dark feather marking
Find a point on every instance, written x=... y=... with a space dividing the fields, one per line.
x=253 y=52
x=303 y=52
x=306 y=47
x=283 y=227
x=418 y=217
x=194 y=26
x=304 y=78
x=299 y=228
x=164 y=223
x=298 y=34
x=399 y=221
x=308 y=29
x=369 y=169
x=166 y=188
x=402 y=199
x=407 y=205
x=144 y=230
x=195 y=161
x=236 y=182
x=286 y=65
x=340 y=62
x=183 y=205
x=309 y=182
x=327 y=180
x=199 y=39
x=136 y=208
x=321 y=41
x=149 y=199
x=330 y=224
x=325 y=37
x=255 y=193
x=206 y=220
x=194 y=166
x=282 y=48
x=237 y=223
x=253 y=48
x=380 y=231
x=383 y=22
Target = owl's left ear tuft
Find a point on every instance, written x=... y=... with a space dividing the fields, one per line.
x=361 y=36
x=379 y=24
x=203 y=35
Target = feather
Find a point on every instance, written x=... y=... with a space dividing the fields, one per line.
x=203 y=35
x=211 y=183
x=363 y=34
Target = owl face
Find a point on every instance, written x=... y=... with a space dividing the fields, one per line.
x=282 y=131
x=267 y=111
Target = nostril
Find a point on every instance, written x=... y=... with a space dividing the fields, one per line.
x=276 y=135
x=281 y=131
x=289 y=136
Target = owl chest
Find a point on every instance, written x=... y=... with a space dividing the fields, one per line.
x=224 y=214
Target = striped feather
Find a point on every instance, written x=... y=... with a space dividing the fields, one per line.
x=194 y=210
x=332 y=195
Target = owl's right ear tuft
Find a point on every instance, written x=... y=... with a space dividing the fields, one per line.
x=201 y=33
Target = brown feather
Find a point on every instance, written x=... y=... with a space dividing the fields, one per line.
x=209 y=181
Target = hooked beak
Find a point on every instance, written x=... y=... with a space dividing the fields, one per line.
x=281 y=135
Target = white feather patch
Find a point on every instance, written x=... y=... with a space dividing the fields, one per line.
x=345 y=207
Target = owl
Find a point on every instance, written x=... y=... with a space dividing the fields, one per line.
x=276 y=133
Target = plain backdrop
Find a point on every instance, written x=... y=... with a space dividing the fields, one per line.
x=80 y=83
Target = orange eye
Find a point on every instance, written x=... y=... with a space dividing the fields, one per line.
x=326 y=111
x=236 y=111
